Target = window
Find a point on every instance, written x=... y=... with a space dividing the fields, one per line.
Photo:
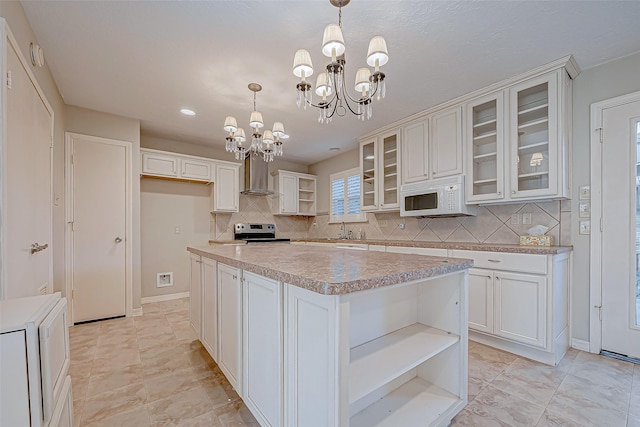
x=345 y=197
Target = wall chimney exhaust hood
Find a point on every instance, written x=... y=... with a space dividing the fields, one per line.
x=256 y=176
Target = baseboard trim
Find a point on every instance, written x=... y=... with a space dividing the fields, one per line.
x=168 y=297
x=580 y=344
x=136 y=312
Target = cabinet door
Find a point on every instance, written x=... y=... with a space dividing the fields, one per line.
x=533 y=137
x=63 y=412
x=159 y=164
x=485 y=150
x=210 y=307
x=195 y=169
x=195 y=294
x=521 y=307
x=415 y=152
x=369 y=168
x=14 y=380
x=389 y=173
x=230 y=325
x=263 y=348
x=54 y=355
x=288 y=194
x=446 y=143
x=481 y=300
x=226 y=192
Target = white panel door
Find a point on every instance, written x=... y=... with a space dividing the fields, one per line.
x=195 y=293
x=415 y=150
x=289 y=196
x=226 y=188
x=99 y=199
x=263 y=348
x=14 y=380
x=209 y=283
x=620 y=231
x=28 y=191
x=481 y=300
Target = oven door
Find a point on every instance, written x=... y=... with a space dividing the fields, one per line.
x=54 y=356
x=421 y=203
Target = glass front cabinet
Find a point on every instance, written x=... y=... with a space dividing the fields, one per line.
x=518 y=141
x=379 y=163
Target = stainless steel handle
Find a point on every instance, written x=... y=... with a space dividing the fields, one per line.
x=493 y=260
x=235 y=277
x=118 y=239
x=35 y=247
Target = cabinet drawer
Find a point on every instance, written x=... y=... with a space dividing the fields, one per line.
x=526 y=263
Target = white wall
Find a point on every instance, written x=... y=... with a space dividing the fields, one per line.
x=596 y=84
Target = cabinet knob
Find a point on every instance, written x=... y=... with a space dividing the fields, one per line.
x=513 y=192
x=433 y=173
x=235 y=277
x=499 y=193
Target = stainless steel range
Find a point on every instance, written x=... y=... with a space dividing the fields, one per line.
x=257 y=233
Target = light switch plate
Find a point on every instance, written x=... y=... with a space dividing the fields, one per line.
x=585 y=192
x=515 y=219
x=585 y=209
x=526 y=218
x=585 y=227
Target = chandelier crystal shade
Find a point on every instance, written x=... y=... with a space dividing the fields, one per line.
x=267 y=144
x=331 y=86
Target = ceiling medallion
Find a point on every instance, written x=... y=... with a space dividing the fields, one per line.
x=330 y=83
x=265 y=145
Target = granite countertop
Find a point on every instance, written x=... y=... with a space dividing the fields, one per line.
x=490 y=247
x=331 y=271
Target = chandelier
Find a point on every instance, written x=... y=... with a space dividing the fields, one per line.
x=330 y=84
x=266 y=145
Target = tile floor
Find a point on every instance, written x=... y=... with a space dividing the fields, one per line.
x=152 y=371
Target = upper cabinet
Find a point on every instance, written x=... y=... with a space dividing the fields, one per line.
x=162 y=164
x=296 y=193
x=518 y=141
x=226 y=187
x=415 y=151
x=380 y=166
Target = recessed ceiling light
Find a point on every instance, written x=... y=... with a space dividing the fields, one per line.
x=187 y=112
x=334 y=149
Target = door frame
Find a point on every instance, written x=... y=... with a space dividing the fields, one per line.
x=7 y=38
x=69 y=216
x=595 y=246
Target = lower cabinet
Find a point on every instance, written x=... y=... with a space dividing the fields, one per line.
x=230 y=324
x=262 y=348
x=209 y=283
x=195 y=293
x=520 y=303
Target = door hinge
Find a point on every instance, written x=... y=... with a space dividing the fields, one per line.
x=601 y=134
x=599 y=307
x=601 y=225
x=73 y=159
x=9 y=80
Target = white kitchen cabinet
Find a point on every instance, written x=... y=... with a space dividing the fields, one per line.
x=262 y=348
x=163 y=164
x=230 y=324
x=520 y=303
x=518 y=141
x=34 y=350
x=226 y=187
x=380 y=169
x=195 y=293
x=296 y=193
x=209 y=284
x=445 y=142
x=415 y=151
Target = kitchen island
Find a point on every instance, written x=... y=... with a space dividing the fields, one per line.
x=313 y=336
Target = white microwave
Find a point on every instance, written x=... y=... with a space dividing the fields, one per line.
x=435 y=197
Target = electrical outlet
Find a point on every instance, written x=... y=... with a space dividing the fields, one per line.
x=164 y=279
x=585 y=209
x=382 y=222
x=526 y=218
x=515 y=219
x=176 y=230
x=585 y=192
x=585 y=227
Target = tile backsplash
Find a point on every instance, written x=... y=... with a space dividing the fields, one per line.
x=493 y=224
x=258 y=209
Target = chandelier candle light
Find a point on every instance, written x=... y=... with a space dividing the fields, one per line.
x=266 y=145
x=330 y=84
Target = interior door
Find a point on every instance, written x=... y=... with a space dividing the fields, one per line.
x=28 y=191
x=99 y=199
x=621 y=228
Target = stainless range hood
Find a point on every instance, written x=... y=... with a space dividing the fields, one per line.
x=256 y=176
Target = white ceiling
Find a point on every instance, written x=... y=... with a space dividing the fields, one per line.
x=147 y=59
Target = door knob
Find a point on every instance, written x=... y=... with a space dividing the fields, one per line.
x=118 y=240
